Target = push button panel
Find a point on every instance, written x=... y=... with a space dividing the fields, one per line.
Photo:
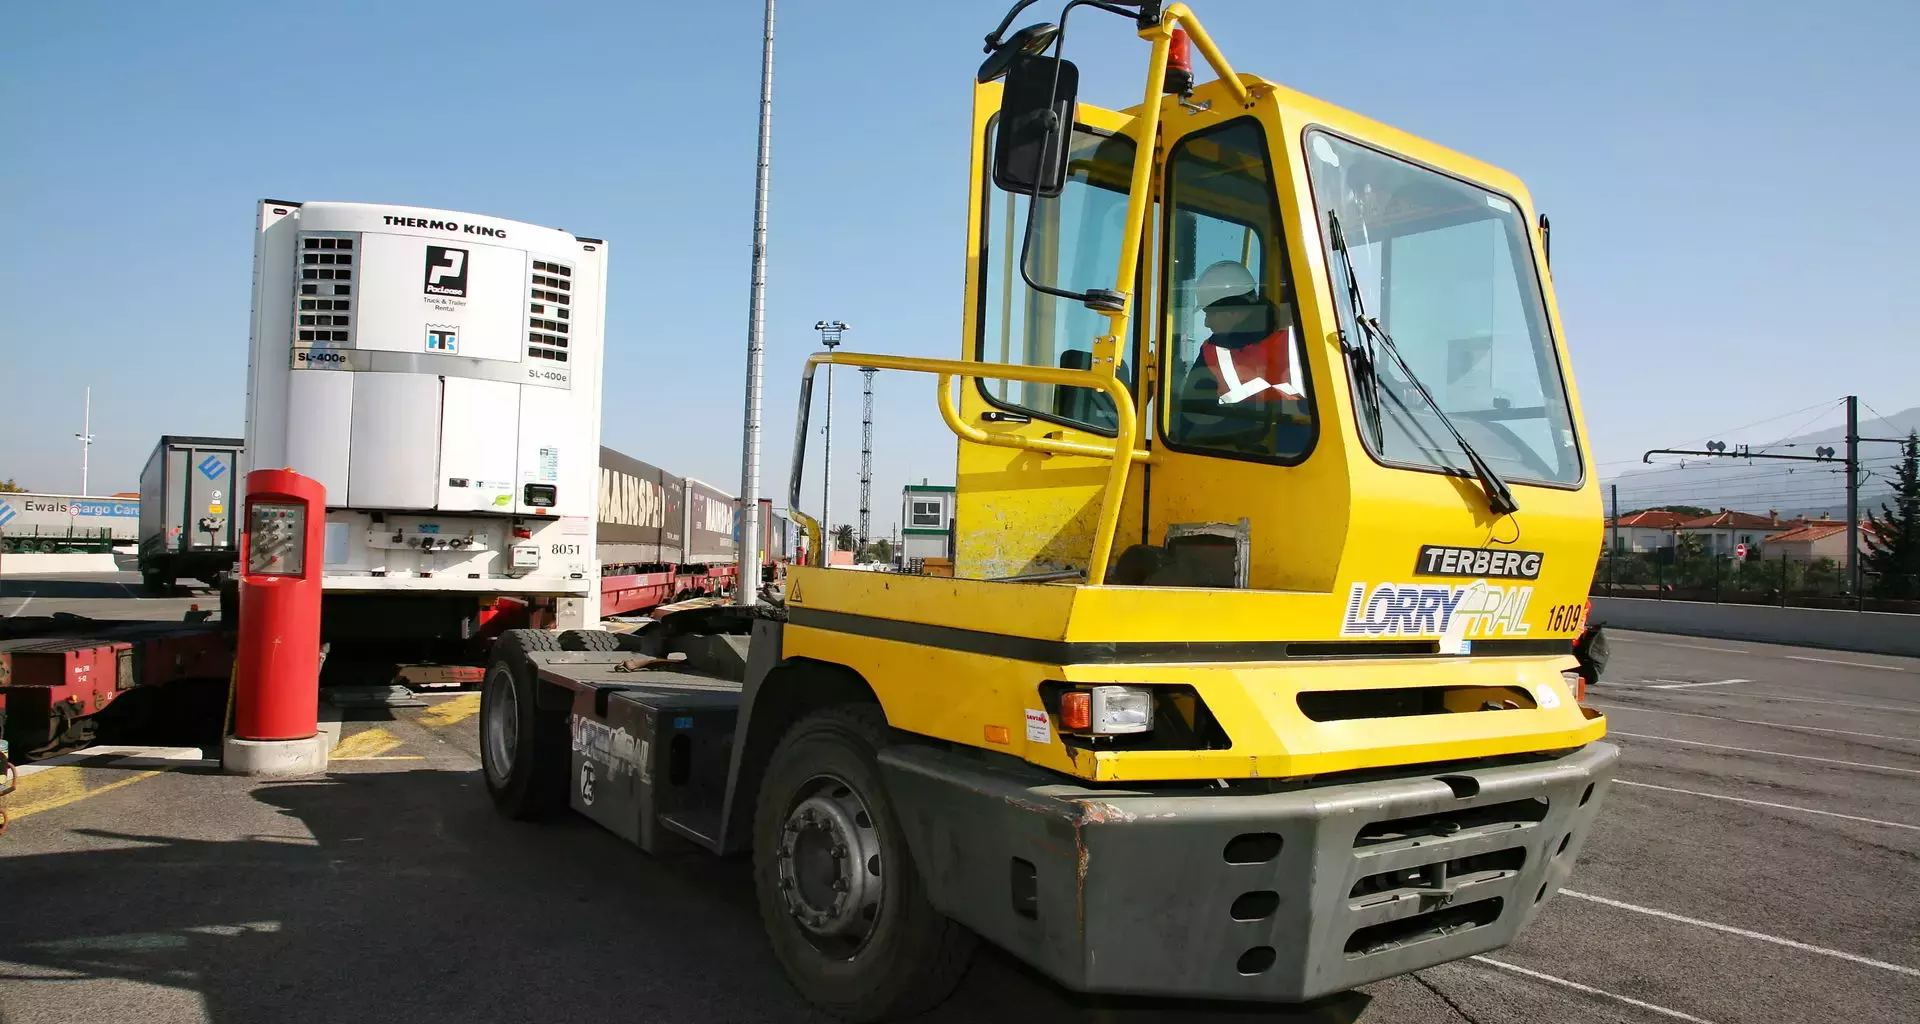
x=277 y=545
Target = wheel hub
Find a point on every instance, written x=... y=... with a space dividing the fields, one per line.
x=829 y=862
x=501 y=724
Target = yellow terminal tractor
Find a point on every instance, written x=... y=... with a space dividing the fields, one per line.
x=1256 y=674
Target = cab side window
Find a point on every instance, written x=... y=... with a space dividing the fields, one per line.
x=1075 y=246
x=1236 y=375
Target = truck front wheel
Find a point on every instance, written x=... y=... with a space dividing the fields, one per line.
x=840 y=897
x=523 y=749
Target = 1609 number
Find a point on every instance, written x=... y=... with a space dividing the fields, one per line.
x=1566 y=618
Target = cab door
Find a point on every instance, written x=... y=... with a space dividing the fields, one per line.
x=1238 y=421
x=1020 y=512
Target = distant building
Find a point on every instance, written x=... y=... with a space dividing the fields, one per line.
x=1723 y=532
x=1644 y=531
x=926 y=523
x=1815 y=540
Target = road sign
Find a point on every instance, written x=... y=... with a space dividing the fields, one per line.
x=1739 y=551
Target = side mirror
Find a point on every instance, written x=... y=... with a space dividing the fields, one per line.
x=1036 y=121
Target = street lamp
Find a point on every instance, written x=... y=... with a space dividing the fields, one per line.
x=830 y=332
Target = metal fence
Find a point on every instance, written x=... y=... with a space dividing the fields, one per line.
x=1668 y=575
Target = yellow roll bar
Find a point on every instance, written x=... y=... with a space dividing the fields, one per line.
x=949 y=370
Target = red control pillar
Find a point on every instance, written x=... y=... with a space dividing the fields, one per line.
x=277 y=666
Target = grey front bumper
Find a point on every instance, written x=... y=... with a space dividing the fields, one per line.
x=1270 y=896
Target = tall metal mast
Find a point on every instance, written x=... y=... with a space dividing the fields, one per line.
x=746 y=589
x=866 y=455
x=830 y=332
x=86 y=444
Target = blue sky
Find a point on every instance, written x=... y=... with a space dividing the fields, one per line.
x=1729 y=186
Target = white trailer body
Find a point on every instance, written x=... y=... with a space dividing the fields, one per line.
x=48 y=522
x=439 y=373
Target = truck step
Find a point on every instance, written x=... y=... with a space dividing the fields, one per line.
x=649 y=759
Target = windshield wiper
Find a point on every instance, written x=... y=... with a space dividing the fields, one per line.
x=1366 y=362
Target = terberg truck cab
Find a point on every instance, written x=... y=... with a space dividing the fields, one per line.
x=1254 y=678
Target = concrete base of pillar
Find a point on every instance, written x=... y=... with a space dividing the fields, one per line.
x=275 y=757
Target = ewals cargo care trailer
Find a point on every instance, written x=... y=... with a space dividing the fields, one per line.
x=66 y=522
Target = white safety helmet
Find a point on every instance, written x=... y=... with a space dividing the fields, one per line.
x=1224 y=280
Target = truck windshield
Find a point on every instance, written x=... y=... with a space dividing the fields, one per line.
x=1447 y=268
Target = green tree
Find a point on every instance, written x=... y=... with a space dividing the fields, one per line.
x=1685 y=510
x=880 y=550
x=843 y=537
x=7 y=486
x=1892 y=552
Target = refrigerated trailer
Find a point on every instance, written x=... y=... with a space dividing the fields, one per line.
x=187 y=526
x=439 y=374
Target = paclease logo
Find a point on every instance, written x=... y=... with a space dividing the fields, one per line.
x=446 y=271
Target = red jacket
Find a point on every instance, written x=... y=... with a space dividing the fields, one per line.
x=1260 y=372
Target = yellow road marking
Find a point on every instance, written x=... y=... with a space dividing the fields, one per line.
x=58 y=787
x=451 y=711
x=365 y=744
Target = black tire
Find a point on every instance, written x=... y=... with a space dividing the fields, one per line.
x=230 y=603
x=155 y=584
x=589 y=640
x=527 y=777
x=913 y=956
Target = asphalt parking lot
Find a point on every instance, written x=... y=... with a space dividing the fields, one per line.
x=1759 y=860
x=115 y=595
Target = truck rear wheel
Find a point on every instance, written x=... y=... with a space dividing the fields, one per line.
x=840 y=897
x=523 y=749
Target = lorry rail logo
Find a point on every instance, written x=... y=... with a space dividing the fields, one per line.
x=212 y=468
x=446 y=271
x=443 y=339
x=1428 y=609
x=6 y=513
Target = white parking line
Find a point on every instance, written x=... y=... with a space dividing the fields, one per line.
x=1850 y=664
x=1769 y=753
x=1746 y=933
x=1590 y=990
x=1676 y=643
x=23 y=604
x=1797 y=700
x=1764 y=803
x=1750 y=721
x=1689 y=686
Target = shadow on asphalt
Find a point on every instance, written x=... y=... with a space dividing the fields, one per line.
x=415 y=902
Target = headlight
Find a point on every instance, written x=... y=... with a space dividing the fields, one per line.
x=1107 y=710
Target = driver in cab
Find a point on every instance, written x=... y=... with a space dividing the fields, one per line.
x=1242 y=385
